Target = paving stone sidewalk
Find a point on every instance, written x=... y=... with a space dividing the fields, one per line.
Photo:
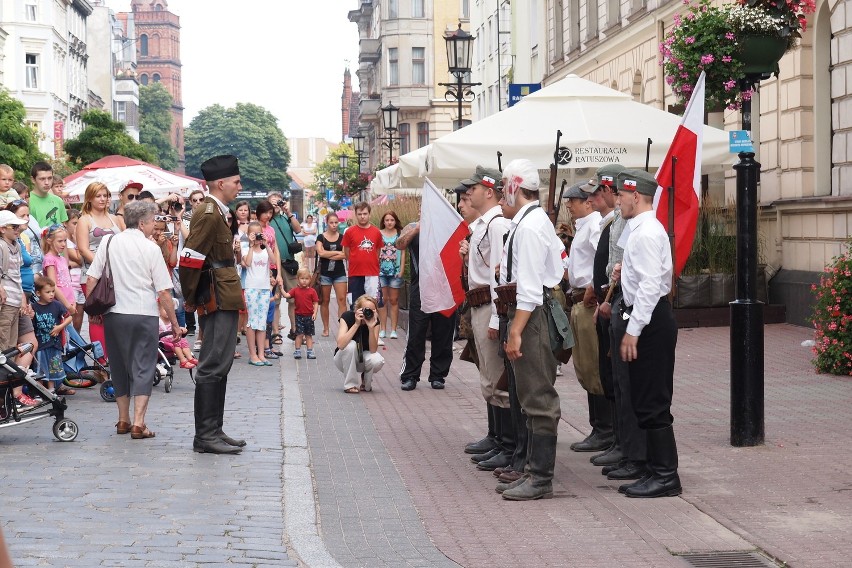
x=107 y=500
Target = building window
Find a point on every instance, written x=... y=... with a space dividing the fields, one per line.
x=418 y=9
x=31 y=70
x=422 y=134
x=156 y=77
x=144 y=79
x=31 y=11
x=121 y=111
x=393 y=9
x=465 y=10
x=143 y=45
x=418 y=65
x=558 y=31
x=393 y=66
x=404 y=138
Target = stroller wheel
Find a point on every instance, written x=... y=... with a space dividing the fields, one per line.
x=169 y=380
x=107 y=391
x=65 y=430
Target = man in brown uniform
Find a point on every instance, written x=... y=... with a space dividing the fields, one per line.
x=210 y=284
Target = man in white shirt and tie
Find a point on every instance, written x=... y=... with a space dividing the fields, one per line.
x=649 y=343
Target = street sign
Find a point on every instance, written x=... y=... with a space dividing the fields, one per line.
x=739 y=141
x=517 y=91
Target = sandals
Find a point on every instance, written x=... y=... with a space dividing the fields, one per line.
x=141 y=432
x=352 y=390
x=277 y=339
x=122 y=427
x=187 y=365
x=237 y=355
x=65 y=391
x=325 y=333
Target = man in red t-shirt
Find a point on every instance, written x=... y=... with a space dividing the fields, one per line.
x=361 y=245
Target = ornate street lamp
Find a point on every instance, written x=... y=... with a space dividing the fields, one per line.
x=344 y=162
x=390 y=119
x=358 y=140
x=459 y=52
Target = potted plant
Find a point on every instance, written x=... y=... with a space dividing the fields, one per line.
x=832 y=317
x=729 y=42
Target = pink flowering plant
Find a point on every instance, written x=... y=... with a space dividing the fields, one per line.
x=832 y=317
x=707 y=38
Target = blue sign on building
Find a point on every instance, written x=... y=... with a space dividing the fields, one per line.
x=517 y=91
x=739 y=141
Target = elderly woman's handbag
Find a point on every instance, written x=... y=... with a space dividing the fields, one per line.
x=102 y=296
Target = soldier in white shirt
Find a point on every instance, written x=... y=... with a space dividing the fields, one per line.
x=533 y=260
x=482 y=255
x=649 y=343
x=587 y=226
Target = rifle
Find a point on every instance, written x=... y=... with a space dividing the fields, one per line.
x=551 y=190
x=500 y=161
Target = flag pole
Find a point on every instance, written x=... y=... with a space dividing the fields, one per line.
x=671 y=231
x=648 y=154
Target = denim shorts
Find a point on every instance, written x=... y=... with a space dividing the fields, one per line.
x=390 y=281
x=327 y=281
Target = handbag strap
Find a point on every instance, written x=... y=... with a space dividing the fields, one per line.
x=107 y=269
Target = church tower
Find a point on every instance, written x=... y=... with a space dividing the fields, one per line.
x=158 y=58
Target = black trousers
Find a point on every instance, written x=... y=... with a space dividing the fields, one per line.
x=604 y=358
x=652 y=373
x=415 y=350
x=633 y=441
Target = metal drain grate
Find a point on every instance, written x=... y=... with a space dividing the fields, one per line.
x=728 y=560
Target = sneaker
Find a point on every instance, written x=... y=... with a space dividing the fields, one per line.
x=393 y=334
x=298 y=354
x=311 y=354
x=197 y=345
x=382 y=334
x=381 y=342
x=269 y=354
x=25 y=400
x=161 y=371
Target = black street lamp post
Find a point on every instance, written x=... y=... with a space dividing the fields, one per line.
x=459 y=52
x=390 y=119
x=358 y=141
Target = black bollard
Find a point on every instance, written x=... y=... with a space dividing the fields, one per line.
x=747 y=424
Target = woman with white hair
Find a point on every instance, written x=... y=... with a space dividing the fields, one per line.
x=141 y=280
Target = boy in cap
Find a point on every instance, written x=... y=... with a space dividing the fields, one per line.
x=482 y=254
x=533 y=260
x=209 y=281
x=649 y=342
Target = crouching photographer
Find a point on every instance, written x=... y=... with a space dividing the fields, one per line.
x=357 y=345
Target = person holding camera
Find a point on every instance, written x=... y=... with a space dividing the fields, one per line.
x=357 y=354
x=258 y=283
x=286 y=225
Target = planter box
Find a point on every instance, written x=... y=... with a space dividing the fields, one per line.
x=722 y=289
x=693 y=291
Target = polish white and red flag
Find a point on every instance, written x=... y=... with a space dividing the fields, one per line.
x=686 y=147
x=440 y=266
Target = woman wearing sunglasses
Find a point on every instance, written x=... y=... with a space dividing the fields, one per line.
x=127 y=195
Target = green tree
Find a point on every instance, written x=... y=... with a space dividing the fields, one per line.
x=350 y=182
x=104 y=136
x=155 y=125
x=18 y=143
x=247 y=131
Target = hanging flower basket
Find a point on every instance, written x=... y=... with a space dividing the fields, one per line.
x=760 y=54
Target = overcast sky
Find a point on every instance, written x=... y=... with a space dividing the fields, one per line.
x=287 y=56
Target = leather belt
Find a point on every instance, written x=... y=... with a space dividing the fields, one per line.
x=479 y=296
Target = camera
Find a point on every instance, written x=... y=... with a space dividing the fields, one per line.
x=177 y=205
x=258 y=236
x=368 y=313
x=280 y=203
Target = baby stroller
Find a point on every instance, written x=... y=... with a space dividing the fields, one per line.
x=166 y=362
x=82 y=361
x=12 y=376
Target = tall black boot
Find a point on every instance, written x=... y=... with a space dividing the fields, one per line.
x=207 y=421
x=539 y=484
x=223 y=386
x=600 y=417
x=614 y=454
x=489 y=442
x=507 y=442
x=662 y=463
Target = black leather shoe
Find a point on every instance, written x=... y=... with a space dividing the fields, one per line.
x=409 y=385
x=594 y=443
x=630 y=470
x=230 y=441
x=476 y=458
x=612 y=457
x=437 y=385
x=484 y=445
x=608 y=468
x=623 y=488
x=214 y=447
x=503 y=459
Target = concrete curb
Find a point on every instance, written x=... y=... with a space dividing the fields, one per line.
x=302 y=528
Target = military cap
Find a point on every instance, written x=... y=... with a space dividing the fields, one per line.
x=637 y=180
x=607 y=173
x=219 y=167
x=575 y=192
x=590 y=186
x=485 y=176
x=461 y=188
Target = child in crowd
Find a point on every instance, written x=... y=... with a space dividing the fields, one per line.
x=307 y=306
x=256 y=263
x=75 y=262
x=181 y=348
x=50 y=318
x=7 y=179
x=54 y=241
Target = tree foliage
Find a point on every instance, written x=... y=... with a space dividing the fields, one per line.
x=350 y=181
x=104 y=136
x=155 y=125
x=247 y=131
x=18 y=142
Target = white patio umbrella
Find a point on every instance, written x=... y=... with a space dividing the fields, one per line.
x=599 y=125
x=117 y=171
x=408 y=174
